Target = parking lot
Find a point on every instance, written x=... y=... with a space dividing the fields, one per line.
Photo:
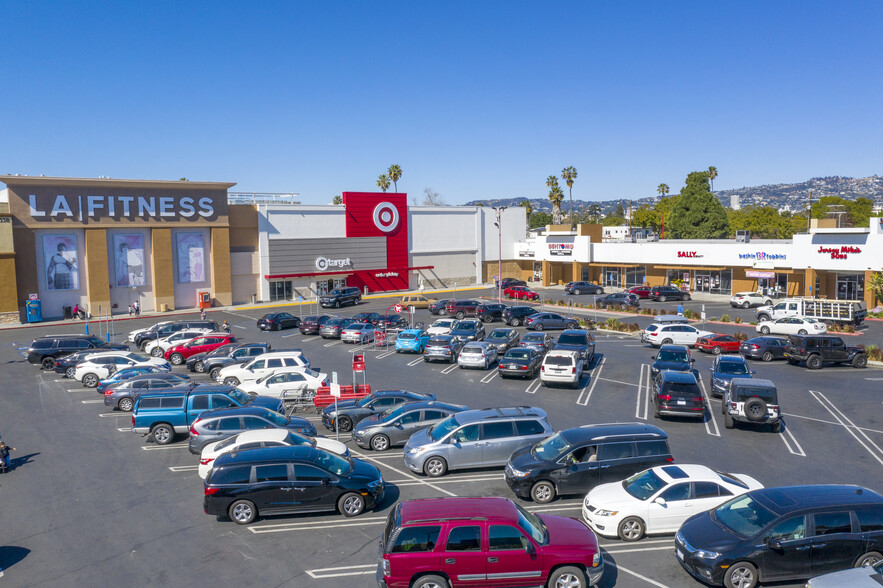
x=89 y=499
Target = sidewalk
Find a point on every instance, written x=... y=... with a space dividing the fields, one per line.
x=259 y=306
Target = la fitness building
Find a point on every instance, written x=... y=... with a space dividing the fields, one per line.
x=825 y=262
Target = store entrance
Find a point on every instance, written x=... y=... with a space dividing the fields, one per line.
x=850 y=286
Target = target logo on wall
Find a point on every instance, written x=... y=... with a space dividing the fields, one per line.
x=386 y=217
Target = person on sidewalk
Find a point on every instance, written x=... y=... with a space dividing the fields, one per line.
x=225 y=327
x=76 y=313
x=202 y=314
x=680 y=310
x=136 y=306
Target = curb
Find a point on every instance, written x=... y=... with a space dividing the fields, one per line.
x=875 y=364
x=596 y=331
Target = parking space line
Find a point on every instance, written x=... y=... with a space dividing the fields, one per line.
x=831 y=408
x=387 y=354
x=332 y=344
x=635 y=574
x=708 y=429
x=305 y=339
x=187 y=468
x=533 y=386
x=641 y=549
x=160 y=447
x=93 y=401
x=643 y=392
x=595 y=375
x=339 y=572
x=322 y=524
x=787 y=431
x=800 y=416
x=106 y=415
x=450 y=368
x=489 y=378
x=621 y=544
x=402 y=472
x=415 y=362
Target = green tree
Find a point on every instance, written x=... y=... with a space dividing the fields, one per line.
x=527 y=206
x=568 y=174
x=663 y=189
x=539 y=219
x=857 y=212
x=712 y=173
x=383 y=183
x=620 y=211
x=593 y=212
x=395 y=174
x=697 y=214
x=875 y=285
x=646 y=217
x=764 y=222
x=337 y=199
x=556 y=197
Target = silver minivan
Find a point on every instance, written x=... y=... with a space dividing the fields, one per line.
x=475 y=439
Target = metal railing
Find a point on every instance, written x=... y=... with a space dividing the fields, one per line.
x=261 y=198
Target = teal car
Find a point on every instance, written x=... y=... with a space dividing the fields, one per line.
x=413 y=340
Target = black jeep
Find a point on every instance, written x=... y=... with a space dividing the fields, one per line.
x=816 y=350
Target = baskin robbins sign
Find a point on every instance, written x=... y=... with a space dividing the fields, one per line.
x=763 y=256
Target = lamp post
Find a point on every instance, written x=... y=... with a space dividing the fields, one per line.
x=499 y=224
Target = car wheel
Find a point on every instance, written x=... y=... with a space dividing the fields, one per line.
x=801 y=332
x=379 y=442
x=345 y=424
x=214 y=373
x=242 y=512
x=860 y=361
x=567 y=577
x=163 y=434
x=126 y=404
x=767 y=302
x=176 y=359
x=814 y=362
x=716 y=350
x=431 y=582
x=662 y=298
x=666 y=341
x=765 y=330
x=460 y=314
x=351 y=504
x=741 y=575
x=542 y=492
x=435 y=467
x=539 y=327
x=90 y=380
x=142 y=345
x=231 y=381
x=685 y=297
x=572 y=325
x=728 y=421
x=514 y=322
x=337 y=304
x=277 y=327
x=577 y=292
x=442 y=312
x=868 y=559
x=48 y=363
x=755 y=409
x=156 y=351
x=745 y=305
x=69 y=372
x=631 y=529
x=199 y=367
x=767 y=356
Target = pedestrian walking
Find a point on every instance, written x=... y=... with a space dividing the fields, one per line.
x=4 y=456
x=202 y=314
x=226 y=327
x=680 y=310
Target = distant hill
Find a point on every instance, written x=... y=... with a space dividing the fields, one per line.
x=781 y=196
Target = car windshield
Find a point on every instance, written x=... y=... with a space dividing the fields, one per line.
x=768 y=394
x=643 y=485
x=533 y=338
x=472 y=349
x=565 y=360
x=465 y=326
x=263 y=379
x=239 y=396
x=651 y=328
x=498 y=334
x=439 y=341
x=334 y=463
x=278 y=419
x=743 y=515
x=732 y=367
x=443 y=324
x=572 y=339
x=533 y=526
x=678 y=356
x=679 y=389
x=391 y=413
x=549 y=449
x=517 y=354
x=438 y=432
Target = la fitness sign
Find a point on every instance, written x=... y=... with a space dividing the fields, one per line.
x=841 y=252
x=119 y=207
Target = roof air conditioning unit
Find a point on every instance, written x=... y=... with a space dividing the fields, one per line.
x=743 y=236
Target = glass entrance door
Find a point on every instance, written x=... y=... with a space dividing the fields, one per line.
x=850 y=286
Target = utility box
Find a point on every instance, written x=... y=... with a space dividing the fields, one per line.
x=34 y=310
x=204 y=299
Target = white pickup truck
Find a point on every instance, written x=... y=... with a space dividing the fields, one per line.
x=829 y=311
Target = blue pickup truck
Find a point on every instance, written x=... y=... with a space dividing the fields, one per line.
x=162 y=415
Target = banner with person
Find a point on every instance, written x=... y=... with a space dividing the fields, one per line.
x=61 y=262
x=129 y=266
x=191 y=257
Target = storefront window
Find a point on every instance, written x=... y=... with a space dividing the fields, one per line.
x=341 y=283
x=713 y=281
x=850 y=286
x=777 y=286
x=675 y=276
x=635 y=276
x=610 y=276
x=538 y=271
x=280 y=290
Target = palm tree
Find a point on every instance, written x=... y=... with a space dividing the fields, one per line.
x=527 y=206
x=875 y=285
x=712 y=173
x=663 y=189
x=568 y=174
x=556 y=196
x=383 y=182
x=337 y=199
x=395 y=173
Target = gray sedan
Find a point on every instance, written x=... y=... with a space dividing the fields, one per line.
x=124 y=394
x=395 y=426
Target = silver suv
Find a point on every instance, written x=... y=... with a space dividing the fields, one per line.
x=475 y=438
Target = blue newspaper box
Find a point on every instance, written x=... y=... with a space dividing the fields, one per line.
x=35 y=311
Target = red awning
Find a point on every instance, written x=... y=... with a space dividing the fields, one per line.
x=347 y=272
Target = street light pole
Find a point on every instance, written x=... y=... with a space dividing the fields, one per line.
x=499 y=210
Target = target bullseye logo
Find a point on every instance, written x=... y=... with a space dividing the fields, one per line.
x=386 y=217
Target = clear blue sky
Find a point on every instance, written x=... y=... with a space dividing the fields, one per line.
x=473 y=99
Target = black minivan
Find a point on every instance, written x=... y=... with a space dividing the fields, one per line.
x=286 y=480
x=574 y=461
x=780 y=534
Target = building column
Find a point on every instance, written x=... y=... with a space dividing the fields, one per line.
x=870 y=298
x=547 y=270
x=577 y=271
x=222 y=287
x=97 y=272
x=809 y=281
x=162 y=270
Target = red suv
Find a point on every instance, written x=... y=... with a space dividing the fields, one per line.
x=463 y=308
x=179 y=353
x=640 y=291
x=521 y=293
x=441 y=542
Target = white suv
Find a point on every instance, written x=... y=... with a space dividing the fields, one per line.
x=562 y=367
x=132 y=334
x=659 y=334
x=98 y=367
x=158 y=348
x=262 y=365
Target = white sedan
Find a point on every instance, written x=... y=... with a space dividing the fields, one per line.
x=158 y=347
x=659 y=334
x=749 y=299
x=660 y=499
x=441 y=327
x=286 y=384
x=98 y=367
x=792 y=325
x=358 y=333
x=263 y=438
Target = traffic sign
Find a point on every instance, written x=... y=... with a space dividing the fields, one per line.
x=398 y=308
x=335 y=390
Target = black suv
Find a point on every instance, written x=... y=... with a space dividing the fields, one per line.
x=515 y=315
x=781 y=534
x=439 y=306
x=816 y=350
x=340 y=296
x=663 y=293
x=45 y=350
x=245 y=484
x=141 y=339
x=490 y=311
x=752 y=401
x=579 y=340
x=575 y=460
x=577 y=288
x=677 y=394
x=508 y=282
x=211 y=362
x=671 y=357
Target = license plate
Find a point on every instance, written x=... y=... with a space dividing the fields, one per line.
x=682 y=402
x=680 y=554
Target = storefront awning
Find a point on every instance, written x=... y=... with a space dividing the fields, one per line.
x=346 y=272
x=692 y=267
x=600 y=264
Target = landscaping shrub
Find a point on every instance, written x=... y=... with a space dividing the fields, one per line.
x=738 y=320
x=740 y=336
x=874 y=352
x=725 y=318
x=689 y=313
